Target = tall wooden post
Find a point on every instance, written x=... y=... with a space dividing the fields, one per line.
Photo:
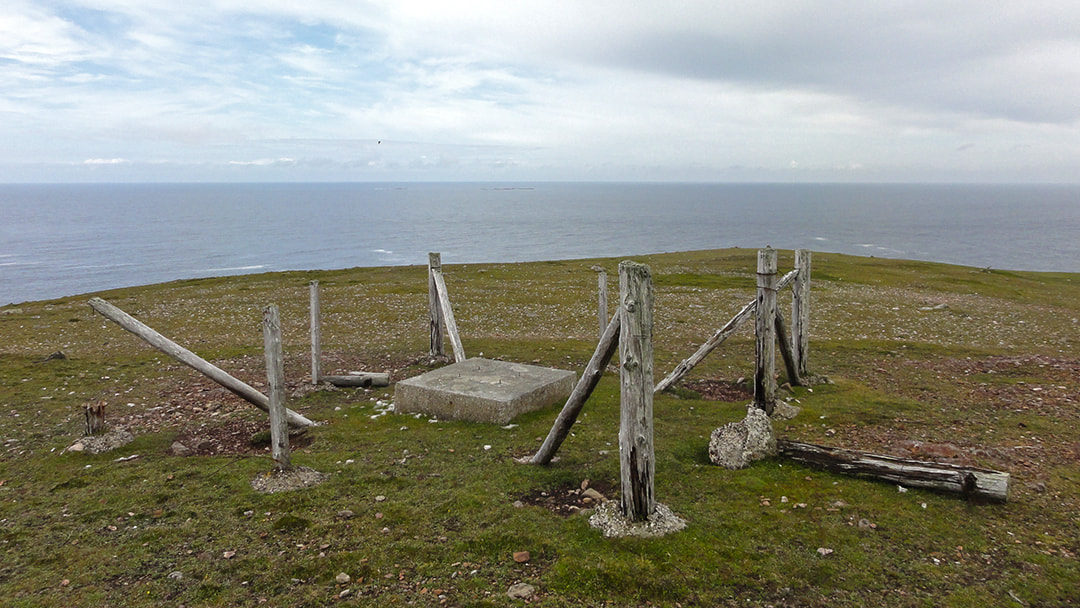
x=316 y=339
x=602 y=315
x=434 y=310
x=275 y=386
x=765 y=331
x=800 y=312
x=636 y=456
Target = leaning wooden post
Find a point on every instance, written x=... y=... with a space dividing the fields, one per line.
x=446 y=313
x=602 y=315
x=275 y=386
x=800 y=312
x=605 y=350
x=185 y=356
x=717 y=339
x=434 y=311
x=636 y=457
x=316 y=344
x=765 y=369
x=785 y=350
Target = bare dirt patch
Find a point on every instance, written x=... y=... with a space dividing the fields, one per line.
x=712 y=389
x=569 y=499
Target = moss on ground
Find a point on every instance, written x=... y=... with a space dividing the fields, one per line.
x=421 y=512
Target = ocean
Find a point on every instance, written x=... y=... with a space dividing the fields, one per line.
x=68 y=239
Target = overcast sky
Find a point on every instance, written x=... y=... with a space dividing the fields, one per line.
x=343 y=90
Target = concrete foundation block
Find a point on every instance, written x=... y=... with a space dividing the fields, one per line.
x=482 y=390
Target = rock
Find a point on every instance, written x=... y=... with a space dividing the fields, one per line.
x=518 y=504
x=344 y=594
x=76 y=447
x=785 y=411
x=593 y=494
x=176 y=575
x=866 y=524
x=380 y=498
x=608 y=518
x=521 y=591
x=736 y=444
x=346 y=514
x=343 y=579
x=179 y=449
x=521 y=556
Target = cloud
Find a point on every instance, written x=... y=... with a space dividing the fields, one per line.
x=105 y=161
x=557 y=88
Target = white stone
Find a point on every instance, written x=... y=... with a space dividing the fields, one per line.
x=736 y=444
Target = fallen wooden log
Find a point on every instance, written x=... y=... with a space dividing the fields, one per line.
x=970 y=482
x=358 y=380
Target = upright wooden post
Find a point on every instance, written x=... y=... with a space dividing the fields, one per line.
x=95 y=417
x=602 y=315
x=275 y=386
x=765 y=372
x=636 y=456
x=434 y=310
x=800 y=312
x=316 y=343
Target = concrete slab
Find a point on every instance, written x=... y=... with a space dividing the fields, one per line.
x=482 y=390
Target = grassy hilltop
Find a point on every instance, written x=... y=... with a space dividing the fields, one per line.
x=970 y=365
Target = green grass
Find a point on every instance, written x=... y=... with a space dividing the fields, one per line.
x=81 y=529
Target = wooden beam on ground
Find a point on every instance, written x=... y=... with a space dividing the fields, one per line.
x=605 y=350
x=190 y=359
x=359 y=380
x=969 y=482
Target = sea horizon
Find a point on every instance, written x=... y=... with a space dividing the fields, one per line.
x=65 y=239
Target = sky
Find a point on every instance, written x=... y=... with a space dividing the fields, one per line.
x=550 y=90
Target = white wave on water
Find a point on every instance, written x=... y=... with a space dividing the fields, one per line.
x=236 y=268
x=875 y=247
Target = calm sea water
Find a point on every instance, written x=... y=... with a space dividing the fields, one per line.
x=61 y=240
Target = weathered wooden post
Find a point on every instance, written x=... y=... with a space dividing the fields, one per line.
x=95 y=417
x=602 y=315
x=765 y=331
x=636 y=456
x=785 y=351
x=275 y=386
x=605 y=350
x=800 y=312
x=434 y=311
x=316 y=344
